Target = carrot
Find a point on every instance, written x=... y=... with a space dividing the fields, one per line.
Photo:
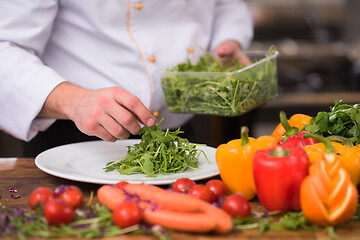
x=110 y=196
x=169 y=209
x=222 y=218
x=166 y=199
x=185 y=205
x=182 y=221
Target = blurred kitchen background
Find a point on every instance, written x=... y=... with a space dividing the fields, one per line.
x=319 y=62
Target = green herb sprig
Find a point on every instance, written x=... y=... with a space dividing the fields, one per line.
x=291 y=221
x=159 y=152
x=342 y=120
x=91 y=221
x=208 y=63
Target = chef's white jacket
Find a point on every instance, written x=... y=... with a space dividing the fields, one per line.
x=104 y=43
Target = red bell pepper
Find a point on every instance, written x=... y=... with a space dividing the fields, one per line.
x=292 y=136
x=299 y=140
x=278 y=173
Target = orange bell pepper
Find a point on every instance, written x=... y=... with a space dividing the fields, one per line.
x=296 y=121
x=235 y=162
x=327 y=195
x=348 y=155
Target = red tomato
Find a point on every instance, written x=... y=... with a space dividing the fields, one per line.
x=218 y=187
x=182 y=184
x=40 y=196
x=71 y=195
x=202 y=192
x=237 y=206
x=57 y=212
x=120 y=185
x=126 y=214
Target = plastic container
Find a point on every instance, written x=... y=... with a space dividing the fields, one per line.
x=223 y=93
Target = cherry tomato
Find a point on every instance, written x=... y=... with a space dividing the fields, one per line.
x=40 y=196
x=202 y=192
x=182 y=185
x=71 y=195
x=120 y=185
x=218 y=187
x=57 y=212
x=126 y=214
x=237 y=206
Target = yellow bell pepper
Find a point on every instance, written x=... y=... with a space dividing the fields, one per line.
x=235 y=162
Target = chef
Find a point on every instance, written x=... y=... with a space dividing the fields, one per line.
x=97 y=64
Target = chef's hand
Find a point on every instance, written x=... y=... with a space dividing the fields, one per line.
x=229 y=50
x=108 y=113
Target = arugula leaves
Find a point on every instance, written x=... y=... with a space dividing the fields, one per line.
x=209 y=88
x=157 y=153
x=342 y=120
x=208 y=63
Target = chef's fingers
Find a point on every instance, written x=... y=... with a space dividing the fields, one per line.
x=244 y=59
x=100 y=132
x=114 y=128
x=228 y=51
x=224 y=50
x=134 y=105
x=120 y=119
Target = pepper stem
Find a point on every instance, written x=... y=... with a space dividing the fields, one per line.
x=289 y=130
x=279 y=152
x=244 y=135
x=342 y=140
x=329 y=148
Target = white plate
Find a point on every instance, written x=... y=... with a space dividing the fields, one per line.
x=84 y=162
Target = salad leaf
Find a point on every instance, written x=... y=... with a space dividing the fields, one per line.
x=159 y=152
x=209 y=88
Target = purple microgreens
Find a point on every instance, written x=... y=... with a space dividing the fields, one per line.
x=60 y=189
x=136 y=199
x=257 y=214
x=18 y=212
x=12 y=190
x=155 y=230
x=15 y=196
x=159 y=229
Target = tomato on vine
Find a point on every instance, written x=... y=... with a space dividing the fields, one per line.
x=218 y=188
x=126 y=214
x=237 y=206
x=58 y=212
x=70 y=194
x=121 y=184
x=40 y=196
x=182 y=185
x=202 y=192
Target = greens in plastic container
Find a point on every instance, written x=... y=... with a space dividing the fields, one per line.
x=209 y=88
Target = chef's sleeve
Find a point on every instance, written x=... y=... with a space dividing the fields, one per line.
x=25 y=82
x=233 y=21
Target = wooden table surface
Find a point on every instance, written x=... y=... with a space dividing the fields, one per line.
x=24 y=176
